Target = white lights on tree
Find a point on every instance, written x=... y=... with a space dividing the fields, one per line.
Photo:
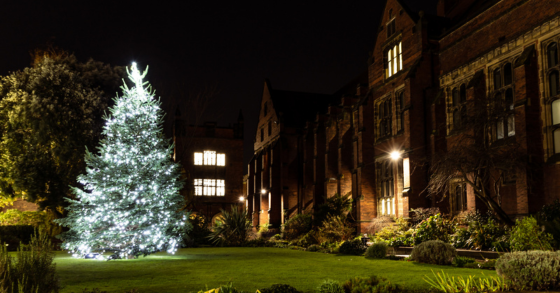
x=130 y=202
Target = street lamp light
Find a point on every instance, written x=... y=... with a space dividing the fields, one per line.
x=263 y=191
x=395 y=155
x=241 y=198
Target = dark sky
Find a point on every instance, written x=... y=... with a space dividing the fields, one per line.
x=232 y=46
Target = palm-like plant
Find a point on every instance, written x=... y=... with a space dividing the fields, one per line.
x=233 y=228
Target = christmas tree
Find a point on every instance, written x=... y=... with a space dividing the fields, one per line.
x=130 y=204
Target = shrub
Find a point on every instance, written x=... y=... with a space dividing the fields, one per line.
x=330 y=286
x=233 y=228
x=32 y=270
x=313 y=248
x=531 y=270
x=258 y=242
x=379 y=223
x=434 y=252
x=334 y=229
x=549 y=218
x=434 y=228
x=444 y=282
x=377 y=250
x=527 y=235
x=461 y=261
x=335 y=206
x=198 y=232
x=307 y=239
x=276 y=237
x=354 y=247
x=297 y=226
x=280 y=288
x=421 y=214
x=375 y=284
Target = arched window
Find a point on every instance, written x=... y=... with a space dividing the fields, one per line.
x=508 y=74
x=497 y=79
x=553 y=83
x=511 y=125
x=463 y=99
x=552 y=52
x=509 y=99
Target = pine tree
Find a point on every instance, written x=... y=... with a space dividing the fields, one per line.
x=130 y=203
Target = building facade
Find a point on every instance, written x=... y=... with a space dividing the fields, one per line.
x=212 y=162
x=376 y=142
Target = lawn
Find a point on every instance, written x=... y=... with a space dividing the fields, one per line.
x=193 y=269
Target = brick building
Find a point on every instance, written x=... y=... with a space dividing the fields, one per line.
x=376 y=143
x=212 y=160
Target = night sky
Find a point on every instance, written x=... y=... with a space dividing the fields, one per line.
x=227 y=47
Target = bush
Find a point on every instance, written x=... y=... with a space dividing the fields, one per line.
x=198 y=232
x=375 y=284
x=259 y=242
x=233 y=228
x=379 y=223
x=421 y=214
x=330 y=286
x=390 y=231
x=297 y=226
x=527 y=235
x=334 y=229
x=32 y=270
x=335 y=206
x=314 y=247
x=377 y=250
x=549 y=218
x=444 y=282
x=531 y=270
x=461 y=261
x=354 y=247
x=434 y=228
x=434 y=252
x=280 y=288
x=307 y=239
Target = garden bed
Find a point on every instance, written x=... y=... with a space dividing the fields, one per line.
x=476 y=254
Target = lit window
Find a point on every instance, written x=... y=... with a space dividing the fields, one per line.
x=198 y=158
x=221 y=188
x=198 y=187
x=209 y=158
x=209 y=187
x=394 y=60
x=504 y=102
x=221 y=159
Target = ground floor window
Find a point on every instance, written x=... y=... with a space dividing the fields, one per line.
x=458 y=197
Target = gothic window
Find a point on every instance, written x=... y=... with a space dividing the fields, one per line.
x=393 y=62
x=399 y=105
x=384 y=118
x=504 y=113
x=269 y=128
x=391 y=24
x=458 y=197
x=262 y=134
x=458 y=107
x=209 y=158
x=386 y=188
x=209 y=187
x=554 y=92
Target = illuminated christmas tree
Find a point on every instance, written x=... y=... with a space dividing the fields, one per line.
x=130 y=204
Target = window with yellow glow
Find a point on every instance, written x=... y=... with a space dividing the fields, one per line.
x=209 y=158
x=394 y=60
x=221 y=159
x=198 y=158
x=209 y=187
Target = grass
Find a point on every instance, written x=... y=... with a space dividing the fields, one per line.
x=193 y=269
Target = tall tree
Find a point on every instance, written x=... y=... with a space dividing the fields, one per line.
x=131 y=202
x=48 y=112
x=483 y=151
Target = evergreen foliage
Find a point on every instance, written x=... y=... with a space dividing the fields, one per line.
x=233 y=228
x=130 y=203
x=48 y=112
x=377 y=250
x=434 y=252
x=531 y=270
